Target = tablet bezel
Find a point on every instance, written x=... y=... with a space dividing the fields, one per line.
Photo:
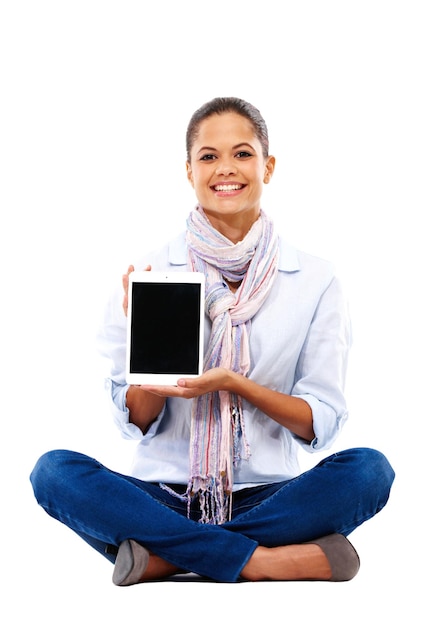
x=152 y=378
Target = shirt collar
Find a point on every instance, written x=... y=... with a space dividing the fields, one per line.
x=287 y=262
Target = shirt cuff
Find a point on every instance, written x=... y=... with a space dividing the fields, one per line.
x=327 y=424
x=116 y=394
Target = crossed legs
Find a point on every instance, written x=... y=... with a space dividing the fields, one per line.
x=268 y=537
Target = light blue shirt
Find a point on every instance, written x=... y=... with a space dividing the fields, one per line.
x=299 y=342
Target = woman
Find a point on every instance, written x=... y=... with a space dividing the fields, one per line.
x=216 y=488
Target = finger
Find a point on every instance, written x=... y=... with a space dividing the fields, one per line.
x=125 y=282
x=164 y=391
x=190 y=383
x=125 y=277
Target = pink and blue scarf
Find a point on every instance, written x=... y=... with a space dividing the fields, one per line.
x=218 y=439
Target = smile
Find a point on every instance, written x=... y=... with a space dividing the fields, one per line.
x=227 y=187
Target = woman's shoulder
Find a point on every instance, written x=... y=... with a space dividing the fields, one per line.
x=293 y=259
x=169 y=255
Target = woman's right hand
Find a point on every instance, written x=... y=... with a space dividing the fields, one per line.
x=125 y=281
x=143 y=407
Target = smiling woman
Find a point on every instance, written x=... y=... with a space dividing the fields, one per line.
x=216 y=487
x=227 y=167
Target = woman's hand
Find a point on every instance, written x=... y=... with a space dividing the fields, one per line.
x=125 y=281
x=217 y=379
x=293 y=413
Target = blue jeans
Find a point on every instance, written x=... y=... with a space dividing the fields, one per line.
x=105 y=508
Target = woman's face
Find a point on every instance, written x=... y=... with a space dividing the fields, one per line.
x=228 y=169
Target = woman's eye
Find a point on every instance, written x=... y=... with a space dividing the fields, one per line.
x=243 y=154
x=207 y=157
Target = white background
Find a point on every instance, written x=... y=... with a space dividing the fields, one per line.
x=95 y=99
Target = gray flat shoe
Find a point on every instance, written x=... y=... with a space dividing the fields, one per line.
x=130 y=564
x=342 y=556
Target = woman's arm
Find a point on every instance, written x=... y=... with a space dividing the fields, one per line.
x=144 y=407
x=292 y=413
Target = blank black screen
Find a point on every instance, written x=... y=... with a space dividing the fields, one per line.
x=165 y=328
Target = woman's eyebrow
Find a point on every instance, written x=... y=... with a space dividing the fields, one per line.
x=236 y=147
x=207 y=148
x=243 y=143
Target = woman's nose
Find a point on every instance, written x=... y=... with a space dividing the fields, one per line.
x=226 y=167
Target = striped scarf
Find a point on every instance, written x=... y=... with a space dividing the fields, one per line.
x=217 y=426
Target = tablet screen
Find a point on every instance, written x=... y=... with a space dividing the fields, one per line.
x=165 y=327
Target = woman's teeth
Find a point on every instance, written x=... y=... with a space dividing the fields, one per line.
x=227 y=187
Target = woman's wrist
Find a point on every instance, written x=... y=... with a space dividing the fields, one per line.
x=235 y=382
x=143 y=406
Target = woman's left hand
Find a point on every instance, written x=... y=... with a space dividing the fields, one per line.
x=292 y=412
x=217 y=379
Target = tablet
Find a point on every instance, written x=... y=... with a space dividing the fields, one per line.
x=165 y=327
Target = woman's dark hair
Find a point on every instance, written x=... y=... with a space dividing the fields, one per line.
x=217 y=106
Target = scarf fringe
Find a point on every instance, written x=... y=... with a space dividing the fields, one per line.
x=215 y=502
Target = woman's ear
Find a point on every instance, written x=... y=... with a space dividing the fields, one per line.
x=269 y=169
x=189 y=173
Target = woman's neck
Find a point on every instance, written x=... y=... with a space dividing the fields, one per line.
x=233 y=227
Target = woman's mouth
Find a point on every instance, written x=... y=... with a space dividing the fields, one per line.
x=228 y=187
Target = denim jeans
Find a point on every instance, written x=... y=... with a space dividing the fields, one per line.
x=105 y=508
